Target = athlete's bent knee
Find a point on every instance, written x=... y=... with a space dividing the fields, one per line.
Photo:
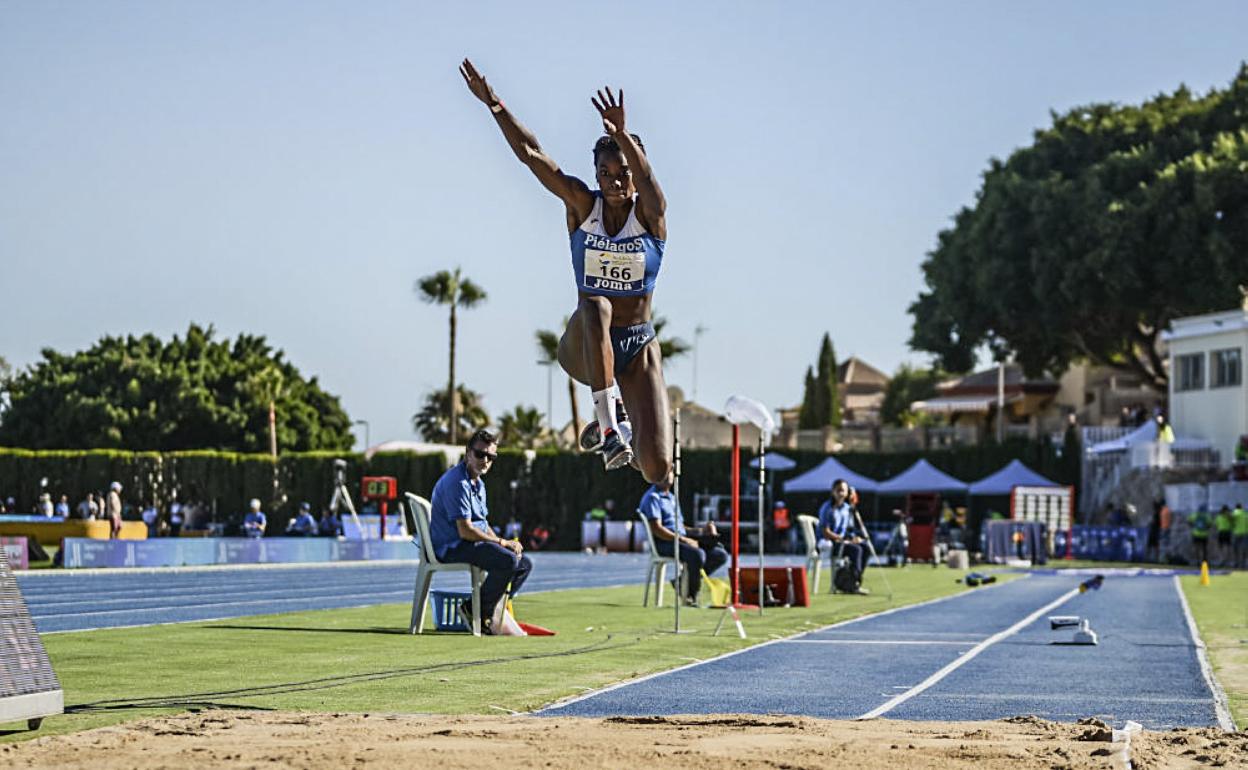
x=655 y=469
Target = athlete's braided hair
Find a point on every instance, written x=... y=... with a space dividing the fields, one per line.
x=608 y=144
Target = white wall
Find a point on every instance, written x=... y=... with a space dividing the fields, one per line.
x=1219 y=415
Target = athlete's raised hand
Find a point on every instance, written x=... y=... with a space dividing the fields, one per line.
x=612 y=112
x=477 y=85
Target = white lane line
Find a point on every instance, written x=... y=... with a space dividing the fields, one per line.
x=274 y=612
x=1225 y=720
x=38 y=609
x=967 y=657
x=564 y=702
x=878 y=641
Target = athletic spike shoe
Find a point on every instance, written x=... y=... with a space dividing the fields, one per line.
x=590 y=439
x=615 y=453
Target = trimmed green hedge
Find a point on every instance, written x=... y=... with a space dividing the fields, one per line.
x=556 y=488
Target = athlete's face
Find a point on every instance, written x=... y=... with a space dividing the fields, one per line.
x=614 y=178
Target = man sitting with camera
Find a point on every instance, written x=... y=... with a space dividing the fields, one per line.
x=837 y=523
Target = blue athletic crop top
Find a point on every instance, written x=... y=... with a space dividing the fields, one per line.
x=626 y=265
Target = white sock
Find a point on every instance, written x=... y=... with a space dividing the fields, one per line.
x=604 y=408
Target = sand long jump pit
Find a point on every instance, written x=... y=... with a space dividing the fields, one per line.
x=240 y=739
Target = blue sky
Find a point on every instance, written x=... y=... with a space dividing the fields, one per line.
x=291 y=168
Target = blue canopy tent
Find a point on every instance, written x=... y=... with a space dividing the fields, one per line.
x=776 y=462
x=1015 y=474
x=921 y=477
x=819 y=479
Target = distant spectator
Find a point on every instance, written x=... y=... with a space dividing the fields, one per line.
x=1199 y=522
x=1165 y=516
x=112 y=510
x=45 y=509
x=1222 y=525
x=175 y=518
x=62 y=507
x=329 y=525
x=1153 y=552
x=255 y=521
x=1239 y=533
x=10 y=505
x=150 y=517
x=539 y=536
x=89 y=508
x=302 y=525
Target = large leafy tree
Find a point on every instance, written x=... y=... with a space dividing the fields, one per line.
x=1085 y=245
x=431 y=421
x=6 y=372
x=143 y=393
x=908 y=385
x=455 y=290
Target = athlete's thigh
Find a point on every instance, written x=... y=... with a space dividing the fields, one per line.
x=645 y=397
x=572 y=349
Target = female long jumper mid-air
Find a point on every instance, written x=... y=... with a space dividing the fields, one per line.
x=617 y=235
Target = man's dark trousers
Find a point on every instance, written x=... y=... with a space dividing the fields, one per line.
x=855 y=552
x=710 y=557
x=501 y=567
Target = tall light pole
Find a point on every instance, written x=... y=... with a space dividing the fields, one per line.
x=368 y=442
x=698 y=331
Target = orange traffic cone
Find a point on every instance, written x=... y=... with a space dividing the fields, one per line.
x=1204 y=573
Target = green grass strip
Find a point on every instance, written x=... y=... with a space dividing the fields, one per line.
x=1221 y=613
x=362 y=659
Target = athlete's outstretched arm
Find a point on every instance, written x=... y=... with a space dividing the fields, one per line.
x=648 y=191
x=572 y=191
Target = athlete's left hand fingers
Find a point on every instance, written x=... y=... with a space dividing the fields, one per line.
x=601 y=110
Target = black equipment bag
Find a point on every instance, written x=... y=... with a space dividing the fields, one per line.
x=846 y=578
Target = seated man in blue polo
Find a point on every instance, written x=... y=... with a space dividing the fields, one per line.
x=836 y=523
x=662 y=511
x=460 y=530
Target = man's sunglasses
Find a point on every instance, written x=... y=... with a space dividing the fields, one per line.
x=481 y=454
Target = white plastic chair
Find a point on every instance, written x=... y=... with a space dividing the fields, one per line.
x=811 y=539
x=417 y=513
x=657 y=571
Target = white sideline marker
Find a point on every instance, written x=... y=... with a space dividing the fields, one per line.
x=967 y=656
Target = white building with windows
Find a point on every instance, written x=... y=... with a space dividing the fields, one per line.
x=1208 y=396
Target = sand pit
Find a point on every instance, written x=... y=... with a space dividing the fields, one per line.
x=303 y=740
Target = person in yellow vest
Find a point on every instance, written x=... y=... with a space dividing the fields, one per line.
x=1199 y=523
x=1239 y=535
x=1222 y=525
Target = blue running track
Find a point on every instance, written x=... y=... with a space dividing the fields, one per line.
x=81 y=600
x=975 y=656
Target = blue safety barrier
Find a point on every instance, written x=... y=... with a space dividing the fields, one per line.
x=179 y=552
x=1103 y=543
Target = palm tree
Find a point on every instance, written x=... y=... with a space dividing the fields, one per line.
x=431 y=421
x=548 y=349
x=672 y=347
x=267 y=386
x=521 y=427
x=451 y=288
